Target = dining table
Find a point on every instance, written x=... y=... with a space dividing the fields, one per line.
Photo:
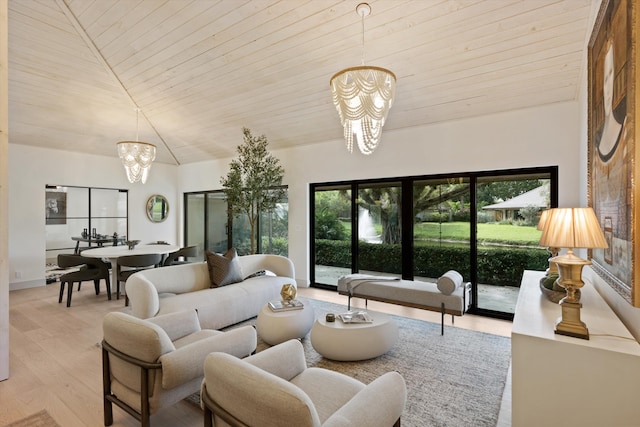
x=114 y=252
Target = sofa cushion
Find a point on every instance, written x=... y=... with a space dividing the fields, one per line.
x=224 y=269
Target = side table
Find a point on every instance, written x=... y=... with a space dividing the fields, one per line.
x=275 y=327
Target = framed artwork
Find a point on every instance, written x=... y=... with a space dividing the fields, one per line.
x=56 y=207
x=612 y=145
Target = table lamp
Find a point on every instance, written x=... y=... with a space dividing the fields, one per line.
x=571 y=228
x=553 y=267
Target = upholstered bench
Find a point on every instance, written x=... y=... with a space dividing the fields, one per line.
x=449 y=295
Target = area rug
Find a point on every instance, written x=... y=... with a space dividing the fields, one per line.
x=39 y=419
x=452 y=380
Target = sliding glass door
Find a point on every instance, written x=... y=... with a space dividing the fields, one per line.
x=442 y=228
x=481 y=224
x=332 y=233
x=210 y=226
x=507 y=213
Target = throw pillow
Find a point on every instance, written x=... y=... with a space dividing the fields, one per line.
x=449 y=282
x=224 y=269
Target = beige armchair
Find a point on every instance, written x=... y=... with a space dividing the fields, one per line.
x=274 y=388
x=154 y=363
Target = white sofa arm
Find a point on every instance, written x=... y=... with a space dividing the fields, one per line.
x=187 y=363
x=178 y=324
x=284 y=360
x=378 y=404
x=143 y=296
x=281 y=266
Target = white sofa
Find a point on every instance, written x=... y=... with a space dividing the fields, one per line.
x=175 y=288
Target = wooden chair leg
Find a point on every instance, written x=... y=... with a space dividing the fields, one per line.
x=108 y=287
x=96 y=284
x=69 y=292
x=118 y=290
x=61 y=292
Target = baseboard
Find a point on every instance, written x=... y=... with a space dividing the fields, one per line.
x=26 y=285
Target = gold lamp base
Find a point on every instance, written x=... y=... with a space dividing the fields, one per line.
x=570 y=278
x=570 y=324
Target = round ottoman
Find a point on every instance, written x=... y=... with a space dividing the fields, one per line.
x=275 y=327
x=354 y=341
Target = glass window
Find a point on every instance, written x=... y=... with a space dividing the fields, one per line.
x=481 y=224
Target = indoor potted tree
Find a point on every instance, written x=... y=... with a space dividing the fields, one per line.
x=254 y=183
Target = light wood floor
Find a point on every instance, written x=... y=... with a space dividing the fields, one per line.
x=55 y=358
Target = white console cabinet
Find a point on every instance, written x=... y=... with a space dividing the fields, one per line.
x=563 y=381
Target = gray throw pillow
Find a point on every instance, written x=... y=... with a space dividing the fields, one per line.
x=224 y=269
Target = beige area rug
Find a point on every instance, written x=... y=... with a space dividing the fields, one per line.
x=455 y=380
x=39 y=419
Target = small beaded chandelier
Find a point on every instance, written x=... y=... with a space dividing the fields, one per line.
x=136 y=157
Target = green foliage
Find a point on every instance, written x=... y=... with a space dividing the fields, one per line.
x=253 y=184
x=530 y=215
x=328 y=225
x=496 y=265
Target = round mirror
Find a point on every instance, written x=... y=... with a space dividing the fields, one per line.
x=157 y=208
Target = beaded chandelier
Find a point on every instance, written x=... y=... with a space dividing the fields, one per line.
x=136 y=157
x=363 y=96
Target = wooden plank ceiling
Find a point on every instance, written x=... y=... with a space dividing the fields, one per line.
x=201 y=70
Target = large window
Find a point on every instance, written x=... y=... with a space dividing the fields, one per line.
x=481 y=224
x=78 y=217
x=209 y=225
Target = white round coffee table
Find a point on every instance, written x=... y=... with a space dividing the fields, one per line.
x=354 y=341
x=275 y=327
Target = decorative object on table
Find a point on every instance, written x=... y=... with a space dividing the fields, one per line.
x=612 y=151
x=131 y=244
x=572 y=228
x=355 y=317
x=551 y=289
x=253 y=185
x=278 y=305
x=363 y=96
x=136 y=157
x=288 y=292
x=157 y=208
x=330 y=317
x=553 y=252
x=84 y=234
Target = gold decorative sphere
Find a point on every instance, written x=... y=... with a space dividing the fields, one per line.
x=288 y=292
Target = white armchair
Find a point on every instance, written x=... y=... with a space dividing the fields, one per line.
x=154 y=363
x=274 y=388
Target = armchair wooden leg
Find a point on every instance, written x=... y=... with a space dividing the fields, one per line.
x=397 y=424
x=106 y=389
x=96 y=284
x=145 y=416
x=208 y=415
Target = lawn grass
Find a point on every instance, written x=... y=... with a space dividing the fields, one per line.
x=459 y=232
x=489 y=233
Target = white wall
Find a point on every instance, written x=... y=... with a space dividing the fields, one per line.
x=4 y=221
x=31 y=168
x=544 y=136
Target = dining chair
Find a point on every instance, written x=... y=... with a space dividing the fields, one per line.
x=91 y=269
x=181 y=256
x=133 y=264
